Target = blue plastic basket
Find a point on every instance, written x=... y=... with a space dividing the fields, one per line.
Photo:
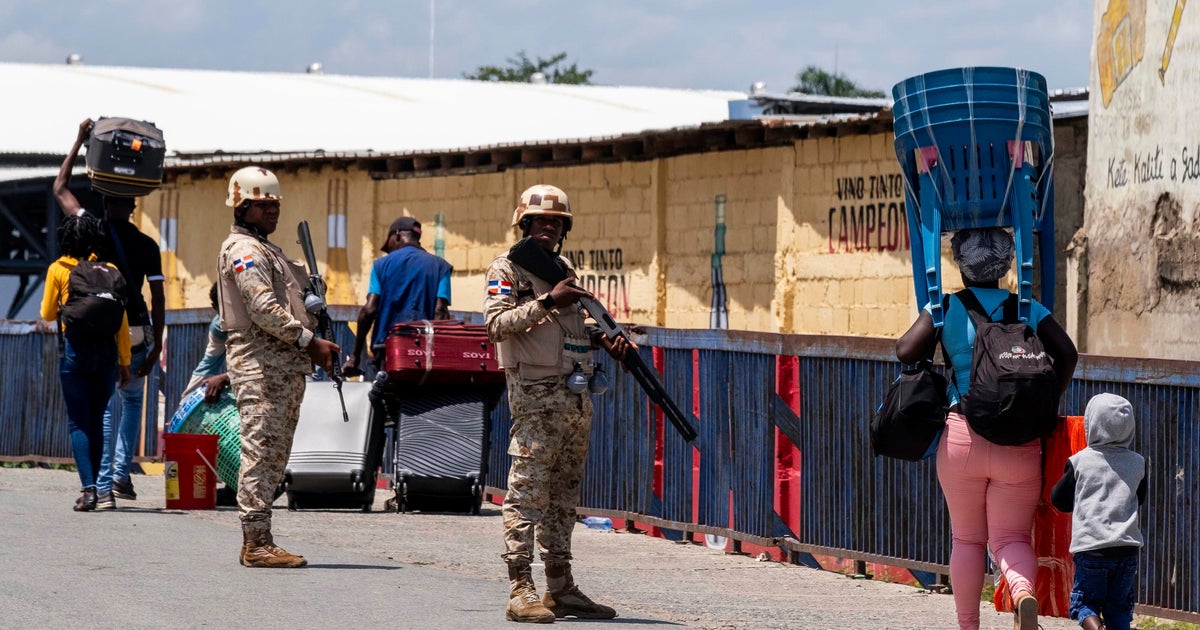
x=976 y=149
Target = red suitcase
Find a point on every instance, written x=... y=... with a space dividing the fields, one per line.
x=440 y=352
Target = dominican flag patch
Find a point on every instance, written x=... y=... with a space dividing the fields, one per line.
x=499 y=287
x=243 y=263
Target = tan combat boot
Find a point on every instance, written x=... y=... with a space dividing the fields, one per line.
x=564 y=599
x=524 y=605
x=259 y=551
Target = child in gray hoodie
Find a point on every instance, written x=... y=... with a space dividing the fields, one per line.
x=1104 y=485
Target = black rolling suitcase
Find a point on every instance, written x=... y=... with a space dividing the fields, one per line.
x=440 y=447
x=125 y=157
x=334 y=463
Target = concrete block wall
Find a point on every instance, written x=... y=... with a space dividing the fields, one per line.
x=846 y=254
x=816 y=240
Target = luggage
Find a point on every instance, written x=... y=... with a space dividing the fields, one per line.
x=333 y=462
x=440 y=448
x=440 y=352
x=125 y=157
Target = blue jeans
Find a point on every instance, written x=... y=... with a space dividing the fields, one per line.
x=1105 y=587
x=88 y=373
x=120 y=446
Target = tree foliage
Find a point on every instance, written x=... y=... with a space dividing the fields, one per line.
x=814 y=80
x=521 y=68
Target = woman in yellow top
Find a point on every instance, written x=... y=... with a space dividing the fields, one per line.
x=89 y=367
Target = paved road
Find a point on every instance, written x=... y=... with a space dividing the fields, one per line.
x=143 y=566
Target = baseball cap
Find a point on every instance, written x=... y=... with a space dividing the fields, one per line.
x=405 y=224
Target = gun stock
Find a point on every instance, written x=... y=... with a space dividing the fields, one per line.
x=314 y=303
x=536 y=260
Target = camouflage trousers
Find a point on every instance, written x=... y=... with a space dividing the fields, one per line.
x=270 y=409
x=549 y=444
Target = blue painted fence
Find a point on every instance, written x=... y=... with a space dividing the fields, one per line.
x=852 y=505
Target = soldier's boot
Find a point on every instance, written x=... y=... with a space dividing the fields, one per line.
x=564 y=599
x=259 y=551
x=1091 y=622
x=524 y=605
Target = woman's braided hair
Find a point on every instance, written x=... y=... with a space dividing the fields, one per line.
x=80 y=236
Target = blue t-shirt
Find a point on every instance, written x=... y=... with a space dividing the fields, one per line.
x=958 y=334
x=408 y=282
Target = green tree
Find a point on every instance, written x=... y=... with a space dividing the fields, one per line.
x=521 y=68
x=814 y=80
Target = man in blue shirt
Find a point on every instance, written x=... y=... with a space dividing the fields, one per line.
x=407 y=284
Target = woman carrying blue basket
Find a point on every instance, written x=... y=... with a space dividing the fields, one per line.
x=991 y=490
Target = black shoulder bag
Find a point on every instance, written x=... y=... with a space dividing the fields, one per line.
x=907 y=425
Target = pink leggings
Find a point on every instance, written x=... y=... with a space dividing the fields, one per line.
x=991 y=493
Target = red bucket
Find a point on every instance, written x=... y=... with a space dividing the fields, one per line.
x=189 y=467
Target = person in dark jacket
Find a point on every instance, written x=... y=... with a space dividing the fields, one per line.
x=1103 y=486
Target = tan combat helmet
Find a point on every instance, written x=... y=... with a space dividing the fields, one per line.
x=250 y=184
x=543 y=199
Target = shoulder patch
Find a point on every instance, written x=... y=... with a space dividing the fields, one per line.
x=243 y=263
x=499 y=287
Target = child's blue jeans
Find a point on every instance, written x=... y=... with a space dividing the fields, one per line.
x=1105 y=587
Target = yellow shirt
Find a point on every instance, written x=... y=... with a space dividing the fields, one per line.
x=55 y=296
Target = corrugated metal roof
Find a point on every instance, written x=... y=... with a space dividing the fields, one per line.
x=23 y=173
x=207 y=111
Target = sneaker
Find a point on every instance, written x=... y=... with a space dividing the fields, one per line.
x=123 y=489
x=86 y=501
x=105 y=501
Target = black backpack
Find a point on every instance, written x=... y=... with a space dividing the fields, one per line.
x=1013 y=397
x=96 y=297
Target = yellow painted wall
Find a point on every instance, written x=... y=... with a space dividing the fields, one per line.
x=815 y=236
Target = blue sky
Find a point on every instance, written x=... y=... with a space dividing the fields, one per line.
x=680 y=43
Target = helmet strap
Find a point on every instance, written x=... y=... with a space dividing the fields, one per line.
x=239 y=219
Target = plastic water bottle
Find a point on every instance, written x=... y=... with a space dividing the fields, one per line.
x=598 y=522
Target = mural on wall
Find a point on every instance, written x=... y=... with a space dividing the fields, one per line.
x=1142 y=247
x=1172 y=32
x=1120 y=44
x=168 y=244
x=439 y=235
x=869 y=216
x=718 y=318
x=337 y=261
x=601 y=273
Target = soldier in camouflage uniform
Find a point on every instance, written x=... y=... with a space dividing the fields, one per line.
x=269 y=350
x=541 y=337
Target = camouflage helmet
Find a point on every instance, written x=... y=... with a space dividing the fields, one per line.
x=250 y=184
x=545 y=200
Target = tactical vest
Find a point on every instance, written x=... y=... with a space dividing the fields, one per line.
x=289 y=281
x=553 y=346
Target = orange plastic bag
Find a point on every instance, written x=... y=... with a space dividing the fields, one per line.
x=1051 y=529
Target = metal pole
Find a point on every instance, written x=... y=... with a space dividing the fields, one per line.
x=431 y=33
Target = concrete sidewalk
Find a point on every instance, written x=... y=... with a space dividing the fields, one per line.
x=143 y=566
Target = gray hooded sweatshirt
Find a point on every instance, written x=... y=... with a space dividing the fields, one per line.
x=1105 y=483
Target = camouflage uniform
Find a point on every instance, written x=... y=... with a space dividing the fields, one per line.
x=262 y=309
x=551 y=426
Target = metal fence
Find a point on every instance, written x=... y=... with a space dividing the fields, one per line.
x=850 y=505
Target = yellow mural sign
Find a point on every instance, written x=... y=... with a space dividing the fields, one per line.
x=1120 y=43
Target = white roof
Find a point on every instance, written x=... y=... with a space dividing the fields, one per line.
x=205 y=111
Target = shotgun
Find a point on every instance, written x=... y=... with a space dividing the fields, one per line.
x=541 y=263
